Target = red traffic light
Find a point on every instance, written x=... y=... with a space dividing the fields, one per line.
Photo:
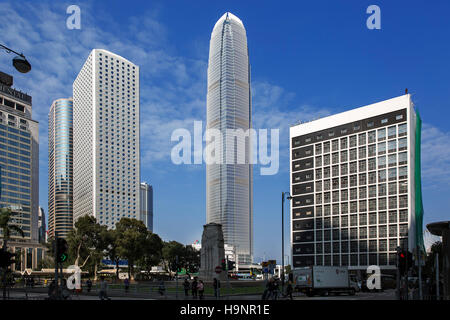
x=402 y=255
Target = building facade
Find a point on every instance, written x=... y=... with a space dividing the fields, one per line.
x=229 y=186
x=353 y=186
x=106 y=139
x=146 y=205
x=19 y=161
x=60 y=168
x=42 y=226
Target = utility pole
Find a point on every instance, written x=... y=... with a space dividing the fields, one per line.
x=55 y=247
x=398 y=274
x=282 y=243
x=419 y=253
x=176 y=276
x=437 y=276
x=228 y=281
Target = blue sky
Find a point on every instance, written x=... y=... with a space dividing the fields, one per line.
x=308 y=59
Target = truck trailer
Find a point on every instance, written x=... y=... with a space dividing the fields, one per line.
x=323 y=280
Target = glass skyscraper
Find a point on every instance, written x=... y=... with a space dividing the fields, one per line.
x=60 y=167
x=19 y=161
x=146 y=199
x=229 y=194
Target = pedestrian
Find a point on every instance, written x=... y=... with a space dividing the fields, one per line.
x=194 y=288
x=162 y=288
x=126 y=283
x=89 y=285
x=216 y=286
x=275 y=289
x=268 y=291
x=52 y=290
x=103 y=294
x=201 y=289
x=186 y=286
x=289 y=290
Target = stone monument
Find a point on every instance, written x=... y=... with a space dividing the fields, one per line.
x=212 y=252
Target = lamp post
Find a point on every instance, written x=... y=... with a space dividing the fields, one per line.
x=282 y=238
x=19 y=62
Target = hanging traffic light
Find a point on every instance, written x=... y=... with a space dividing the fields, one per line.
x=61 y=250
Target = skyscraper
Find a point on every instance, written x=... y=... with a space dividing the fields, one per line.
x=106 y=138
x=42 y=227
x=60 y=167
x=19 y=160
x=229 y=186
x=146 y=198
x=355 y=183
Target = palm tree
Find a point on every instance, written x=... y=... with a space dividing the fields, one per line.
x=6 y=227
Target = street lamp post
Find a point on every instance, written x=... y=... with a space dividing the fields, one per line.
x=282 y=238
x=19 y=62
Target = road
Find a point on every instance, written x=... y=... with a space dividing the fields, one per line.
x=36 y=294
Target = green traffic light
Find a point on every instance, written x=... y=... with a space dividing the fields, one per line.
x=63 y=257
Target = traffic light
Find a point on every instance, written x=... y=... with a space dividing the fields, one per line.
x=61 y=250
x=231 y=265
x=6 y=258
x=404 y=261
x=224 y=264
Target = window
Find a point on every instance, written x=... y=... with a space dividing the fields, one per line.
x=403 y=215
x=392 y=146
x=393 y=231
x=344 y=156
x=403 y=201
x=326 y=147
x=372 y=218
x=372 y=164
x=319 y=161
x=335 y=170
x=403 y=187
x=371 y=150
x=326 y=160
x=318 y=148
x=381 y=175
x=326 y=172
x=402 y=130
x=335 y=145
x=392 y=132
x=353 y=154
x=392 y=216
x=353 y=181
x=402 y=173
x=381 y=190
x=402 y=158
x=371 y=136
x=353 y=194
x=344 y=195
x=344 y=169
x=381 y=147
x=384 y=121
x=392 y=202
x=402 y=144
x=362 y=139
x=372 y=177
x=362 y=179
x=343 y=143
x=335 y=157
x=353 y=167
x=392 y=188
x=392 y=173
x=382 y=162
x=382 y=217
x=362 y=192
x=319 y=186
x=362 y=166
x=399 y=117
x=352 y=141
x=344 y=208
x=362 y=152
x=382 y=204
x=392 y=160
x=381 y=134
x=372 y=191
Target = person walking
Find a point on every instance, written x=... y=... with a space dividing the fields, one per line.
x=103 y=289
x=162 y=288
x=89 y=285
x=186 y=286
x=275 y=289
x=201 y=289
x=289 y=290
x=126 y=283
x=194 y=288
x=216 y=285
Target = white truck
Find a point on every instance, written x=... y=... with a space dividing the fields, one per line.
x=323 y=280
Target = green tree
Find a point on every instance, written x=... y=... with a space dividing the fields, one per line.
x=112 y=247
x=170 y=251
x=191 y=259
x=7 y=228
x=152 y=254
x=429 y=268
x=131 y=241
x=86 y=243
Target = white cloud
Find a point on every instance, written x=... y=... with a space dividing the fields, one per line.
x=435 y=156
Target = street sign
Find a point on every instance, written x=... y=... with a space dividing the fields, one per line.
x=218 y=269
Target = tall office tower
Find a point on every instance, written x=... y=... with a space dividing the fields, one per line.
x=146 y=198
x=19 y=159
x=106 y=139
x=42 y=226
x=60 y=168
x=229 y=186
x=355 y=179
